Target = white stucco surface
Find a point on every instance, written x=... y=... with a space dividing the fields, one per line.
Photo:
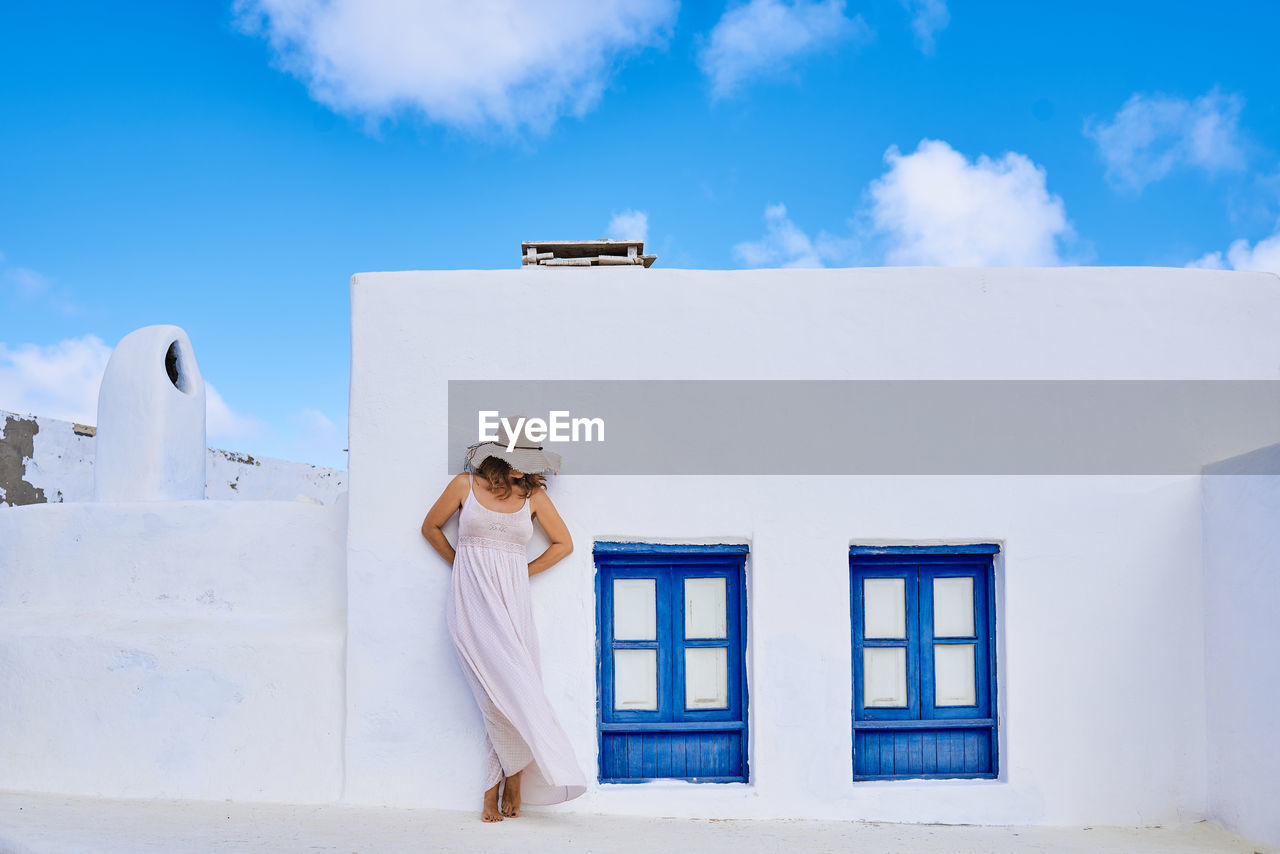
x=150 y=442
x=1242 y=652
x=1099 y=615
x=249 y=477
x=185 y=649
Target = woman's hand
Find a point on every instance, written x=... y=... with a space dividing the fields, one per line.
x=449 y=502
x=557 y=531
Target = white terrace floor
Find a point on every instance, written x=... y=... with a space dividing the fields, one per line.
x=56 y=824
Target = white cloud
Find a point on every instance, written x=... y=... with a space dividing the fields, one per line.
x=29 y=285
x=928 y=18
x=315 y=436
x=932 y=207
x=501 y=63
x=629 y=225
x=936 y=207
x=57 y=381
x=1263 y=256
x=221 y=423
x=1152 y=135
x=1209 y=261
x=766 y=36
x=783 y=245
x=306 y=436
x=62 y=380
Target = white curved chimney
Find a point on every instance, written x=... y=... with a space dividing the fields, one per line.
x=151 y=432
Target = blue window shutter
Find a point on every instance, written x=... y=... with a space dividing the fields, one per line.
x=923 y=739
x=907 y=572
x=703 y=745
x=982 y=708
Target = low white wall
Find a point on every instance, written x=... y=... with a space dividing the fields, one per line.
x=186 y=649
x=1242 y=654
x=1100 y=624
x=52 y=459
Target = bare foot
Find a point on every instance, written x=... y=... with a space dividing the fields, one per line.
x=490 y=811
x=511 y=795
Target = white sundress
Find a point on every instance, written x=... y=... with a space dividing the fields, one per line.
x=490 y=618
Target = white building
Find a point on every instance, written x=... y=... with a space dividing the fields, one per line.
x=1131 y=667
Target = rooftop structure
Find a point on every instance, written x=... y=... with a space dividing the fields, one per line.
x=584 y=253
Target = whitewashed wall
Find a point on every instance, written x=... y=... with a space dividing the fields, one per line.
x=52 y=460
x=1242 y=650
x=178 y=649
x=1101 y=644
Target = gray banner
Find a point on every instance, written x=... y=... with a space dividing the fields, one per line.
x=771 y=427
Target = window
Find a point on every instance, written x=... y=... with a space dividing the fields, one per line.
x=671 y=623
x=924 y=694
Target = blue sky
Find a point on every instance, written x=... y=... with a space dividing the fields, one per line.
x=227 y=166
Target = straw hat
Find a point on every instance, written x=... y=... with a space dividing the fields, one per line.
x=527 y=456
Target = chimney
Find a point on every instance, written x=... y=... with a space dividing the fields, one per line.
x=584 y=253
x=150 y=443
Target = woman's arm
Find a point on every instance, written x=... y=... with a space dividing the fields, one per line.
x=440 y=513
x=557 y=531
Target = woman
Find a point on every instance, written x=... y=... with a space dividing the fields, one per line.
x=491 y=620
